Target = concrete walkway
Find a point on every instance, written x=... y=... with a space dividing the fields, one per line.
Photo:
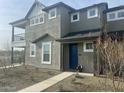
x=47 y=83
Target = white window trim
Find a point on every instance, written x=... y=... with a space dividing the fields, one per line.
x=39 y=19
x=118 y=12
x=116 y=15
x=84 y=47
x=50 y=13
x=34 y=18
x=46 y=62
x=88 y=13
x=108 y=19
x=77 y=16
x=34 y=46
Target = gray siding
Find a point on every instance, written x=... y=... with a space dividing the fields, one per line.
x=86 y=59
x=115 y=25
x=66 y=56
x=52 y=27
x=88 y=24
x=65 y=21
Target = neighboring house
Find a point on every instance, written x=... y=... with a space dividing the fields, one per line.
x=61 y=37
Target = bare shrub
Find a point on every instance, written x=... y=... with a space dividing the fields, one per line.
x=111 y=51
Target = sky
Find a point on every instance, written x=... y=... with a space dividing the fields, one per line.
x=12 y=10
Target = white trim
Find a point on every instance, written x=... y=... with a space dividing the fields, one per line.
x=42 y=61
x=34 y=49
x=116 y=15
x=49 y=14
x=96 y=13
x=78 y=17
x=84 y=47
x=37 y=17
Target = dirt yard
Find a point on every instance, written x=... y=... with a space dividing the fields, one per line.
x=82 y=84
x=21 y=77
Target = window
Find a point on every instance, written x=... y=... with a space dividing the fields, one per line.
x=115 y=15
x=91 y=13
x=41 y=19
x=52 y=13
x=31 y=21
x=32 y=50
x=88 y=47
x=37 y=20
x=112 y=16
x=121 y=14
x=74 y=17
x=46 y=53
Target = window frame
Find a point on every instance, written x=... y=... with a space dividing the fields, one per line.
x=96 y=13
x=37 y=17
x=42 y=54
x=49 y=13
x=87 y=50
x=116 y=15
x=78 y=17
x=34 y=49
x=108 y=18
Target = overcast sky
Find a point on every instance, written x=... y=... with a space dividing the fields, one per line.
x=11 y=10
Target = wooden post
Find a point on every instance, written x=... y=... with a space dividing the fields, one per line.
x=12 y=48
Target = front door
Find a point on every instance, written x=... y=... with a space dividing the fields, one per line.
x=73 y=56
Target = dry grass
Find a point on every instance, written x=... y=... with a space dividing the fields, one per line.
x=20 y=77
x=82 y=84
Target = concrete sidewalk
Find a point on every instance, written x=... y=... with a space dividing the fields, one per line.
x=47 y=83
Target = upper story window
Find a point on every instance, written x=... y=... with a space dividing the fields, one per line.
x=74 y=17
x=91 y=13
x=88 y=46
x=52 y=13
x=112 y=16
x=32 y=50
x=116 y=15
x=121 y=14
x=37 y=20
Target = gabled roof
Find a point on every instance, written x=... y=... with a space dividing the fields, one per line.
x=41 y=37
x=35 y=3
x=58 y=4
x=115 y=8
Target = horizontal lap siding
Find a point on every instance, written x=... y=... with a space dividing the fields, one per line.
x=85 y=58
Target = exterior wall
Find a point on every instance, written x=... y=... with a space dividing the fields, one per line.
x=65 y=21
x=52 y=27
x=86 y=59
x=66 y=57
x=115 y=25
x=55 y=55
x=87 y=24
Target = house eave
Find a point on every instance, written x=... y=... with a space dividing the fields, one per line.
x=19 y=23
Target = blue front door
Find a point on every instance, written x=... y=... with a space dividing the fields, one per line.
x=73 y=56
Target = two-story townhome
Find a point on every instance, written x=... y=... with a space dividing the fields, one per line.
x=61 y=37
